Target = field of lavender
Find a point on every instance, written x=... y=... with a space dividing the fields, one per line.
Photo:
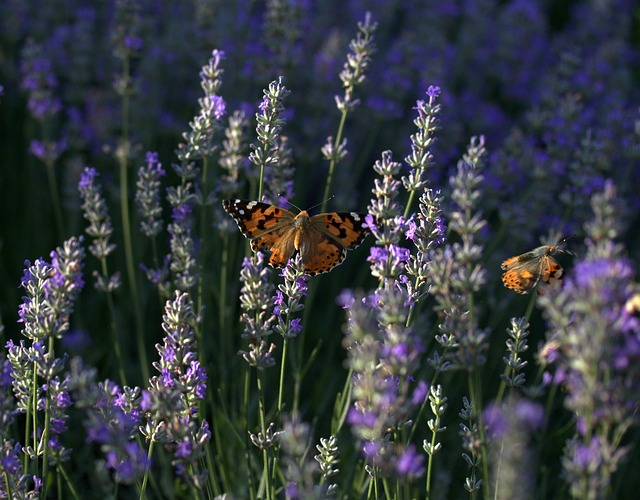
x=146 y=349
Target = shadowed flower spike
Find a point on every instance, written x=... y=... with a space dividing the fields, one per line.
x=148 y=195
x=256 y=303
x=95 y=211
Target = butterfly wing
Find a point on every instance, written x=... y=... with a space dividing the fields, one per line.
x=328 y=237
x=525 y=271
x=267 y=227
x=521 y=275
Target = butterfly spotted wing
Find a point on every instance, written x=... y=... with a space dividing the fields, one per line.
x=322 y=240
x=524 y=272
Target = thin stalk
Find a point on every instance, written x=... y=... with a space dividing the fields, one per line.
x=332 y=163
x=203 y=251
x=114 y=332
x=126 y=222
x=70 y=485
x=45 y=431
x=55 y=198
x=247 y=386
x=283 y=362
x=263 y=427
x=145 y=479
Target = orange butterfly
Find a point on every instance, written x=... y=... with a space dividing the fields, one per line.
x=523 y=272
x=322 y=240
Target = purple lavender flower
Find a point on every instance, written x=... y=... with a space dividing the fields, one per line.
x=294 y=288
x=40 y=82
x=598 y=356
x=410 y=464
x=125 y=35
x=233 y=155
x=95 y=211
x=183 y=264
x=256 y=302
x=199 y=141
x=510 y=427
x=112 y=417
x=265 y=155
x=148 y=195
x=174 y=395
x=25 y=486
x=51 y=291
x=383 y=353
x=8 y=409
x=455 y=272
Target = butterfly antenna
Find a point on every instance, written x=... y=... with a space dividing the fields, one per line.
x=322 y=202
x=310 y=208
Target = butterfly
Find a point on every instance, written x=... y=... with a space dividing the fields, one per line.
x=322 y=240
x=523 y=272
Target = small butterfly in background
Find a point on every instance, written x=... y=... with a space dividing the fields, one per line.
x=523 y=272
x=322 y=240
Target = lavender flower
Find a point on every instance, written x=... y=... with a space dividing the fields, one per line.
x=268 y=128
x=516 y=344
x=174 y=394
x=510 y=427
x=282 y=34
x=47 y=151
x=51 y=291
x=598 y=355
x=96 y=212
x=183 y=264
x=112 y=419
x=353 y=72
x=125 y=35
x=45 y=312
x=383 y=353
x=233 y=155
x=7 y=403
x=289 y=297
x=148 y=196
x=471 y=442
x=327 y=458
x=421 y=156
x=299 y=471
x=160 y=277
x=388 y=259
x=15 y=484
x=199 y=142
x=256 y=304
x=456 y=273
x=278 y=177
x=40 y=82
x=352 y=75
x=409 y=464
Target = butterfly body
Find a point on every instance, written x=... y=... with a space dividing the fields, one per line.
x=321 y=240
x=523 y=272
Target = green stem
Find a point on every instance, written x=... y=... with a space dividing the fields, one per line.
x=45 y=432
x=285 y=343
x=247 y=388
x=332 y=163
x=55 y=198
x=126 y=222
x=263 y=427
x=114 y=331
x=70 y=485
x=201 y=312
x=145 y=479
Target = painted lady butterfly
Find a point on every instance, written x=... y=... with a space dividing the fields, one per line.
x=523 y=272
x=322 y=240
